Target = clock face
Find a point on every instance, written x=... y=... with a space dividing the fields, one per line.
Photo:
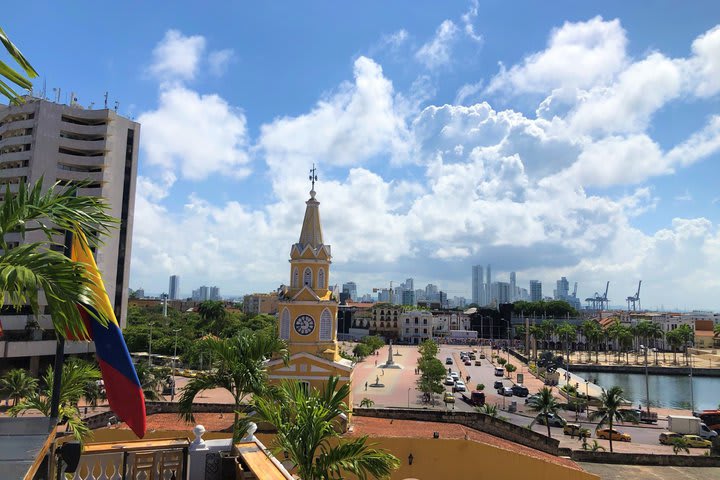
x=304 y=324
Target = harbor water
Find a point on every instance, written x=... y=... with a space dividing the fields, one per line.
x=668 y=391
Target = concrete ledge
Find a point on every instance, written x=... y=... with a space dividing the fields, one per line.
x=478 y=421
x=645 y=459
x=652 y=369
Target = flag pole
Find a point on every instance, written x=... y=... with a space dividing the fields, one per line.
x=59 y=350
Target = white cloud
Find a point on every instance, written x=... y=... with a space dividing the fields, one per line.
x=704 y=66
x=199 y=135
x=177 y=56
x=685 y=197
x=468 y=90
x=436 y=52
x=219 y=61
x=395 y=39
x=350 y=127
x=468 y=18
x=580 y=55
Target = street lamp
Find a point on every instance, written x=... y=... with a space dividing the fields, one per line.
x=172 y=394
x=692 y=393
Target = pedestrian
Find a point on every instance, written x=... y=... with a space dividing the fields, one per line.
x=377 y=380
x=365 y=385
x=376 y=363
x=382 y=372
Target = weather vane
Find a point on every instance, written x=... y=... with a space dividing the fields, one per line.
x=313 y=176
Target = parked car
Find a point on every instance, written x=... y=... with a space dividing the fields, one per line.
x=482 y=355
x=666 y=438
x=468 y=363
x=450 y=381
x=448 y=361
x=471 y=356
x=697 y=441
x=553 y=419
x=498 y=384
x=455 y=376
x=505 y=391
x=616 y=435
x=460 y=386
x=520 y=390
x=534 y=395
x=573 y=429
x=499 y=372
x=448 y=397
x=477 y=363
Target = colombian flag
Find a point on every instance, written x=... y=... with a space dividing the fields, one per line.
x=122 y=386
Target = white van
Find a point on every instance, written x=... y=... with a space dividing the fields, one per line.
x=499 y=371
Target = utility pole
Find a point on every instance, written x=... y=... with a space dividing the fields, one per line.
x=172 y=394
x=165 y=300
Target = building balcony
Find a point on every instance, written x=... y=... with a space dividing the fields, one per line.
x=80 y=160
x=19 y=140
x=29 y=123
x=15 y=156
x=81 y=144
x=84 y=129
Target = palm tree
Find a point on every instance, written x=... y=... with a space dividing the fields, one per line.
x=589 y=331
x=18 y=384
x=680 y=444
x=149 y=380
x=32 y=267
x=655 y=332
x=213 y=313
x=238 y=366
x=9 y=74
x=488 y=409
x=686 y=334
x=595 y=447
x=536 y=333
x=306 y=421
x=544 y=404
x=367 y=402
x=609 y=410
x=567 y=333
x=674 y=338
x=77 y=376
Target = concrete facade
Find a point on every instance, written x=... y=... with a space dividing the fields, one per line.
x=66 y=144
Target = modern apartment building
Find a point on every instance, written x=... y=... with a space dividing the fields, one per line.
x=67 y=144
x=535 y=290
x=258 y=303
x=478 y=285
x=351 y=289
x=174 y=287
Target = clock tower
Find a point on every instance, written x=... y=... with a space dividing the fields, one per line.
x=307 y=308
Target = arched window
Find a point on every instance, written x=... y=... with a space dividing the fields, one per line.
x=326 y=325
x=285 y=325
x=296 y=278
x=321 y=278
x=307 y=278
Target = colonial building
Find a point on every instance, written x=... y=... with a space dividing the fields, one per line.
x=416 y=326
x=307 y=311
x=385 y=320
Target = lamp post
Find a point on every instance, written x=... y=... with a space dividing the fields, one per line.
x=692 y=393
x=172 y=394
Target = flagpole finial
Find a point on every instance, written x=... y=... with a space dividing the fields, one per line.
x=313 y=178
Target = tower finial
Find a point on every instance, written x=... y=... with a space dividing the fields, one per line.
x=313 y=178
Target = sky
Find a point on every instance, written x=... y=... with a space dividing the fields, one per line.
x=575 y=139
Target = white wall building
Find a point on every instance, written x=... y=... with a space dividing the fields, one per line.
x=415 y=326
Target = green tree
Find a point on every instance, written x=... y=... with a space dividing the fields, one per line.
x=674 y=338
x=501 y=361
x=432 y=373
x=374 y=342
x=510 y=368
x=10 y=75
x=76 y=378
x=151 y=381
x=544 y=404
x=716 y=329
x=567 y=333
x=428 y=349
x=29 y=268
x=306 y=419
x=488 y=409
x=595 y=447
x=213 y=314
x=361 y=350
x=238 y=366
x=686 y=335
x=17 y=384
x=609 y=410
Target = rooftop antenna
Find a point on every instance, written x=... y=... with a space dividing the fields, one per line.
x=57 y=95
x=117 y=104
x=106 y=95
x=313 y=176
x=44 y=90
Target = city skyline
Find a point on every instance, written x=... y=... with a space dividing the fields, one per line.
x=442 y=140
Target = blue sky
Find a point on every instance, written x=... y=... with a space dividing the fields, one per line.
x=576 y=139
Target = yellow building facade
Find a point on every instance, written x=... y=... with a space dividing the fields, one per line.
x=307 y=311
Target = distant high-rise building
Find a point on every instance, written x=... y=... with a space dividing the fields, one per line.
x=562 y=290
x=535 y=291
x=214 y=293
x=140 y=293
x=384 y=295
x=409 y=284
x=201 y=294
x=174 y=288
x=488 y=283
x=513 y=287
x=478 y=285
x=408 y=297
x=502 y=290
x=351 y=289
x=419 y=294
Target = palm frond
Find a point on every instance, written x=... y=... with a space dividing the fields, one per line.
x=22 y=81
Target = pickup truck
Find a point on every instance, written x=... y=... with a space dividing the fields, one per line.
x=637 y=415
x=476 y=398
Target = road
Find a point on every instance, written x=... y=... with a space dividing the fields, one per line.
x=647 y=435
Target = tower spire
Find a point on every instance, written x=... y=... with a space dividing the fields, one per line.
x=313 y=178
x=311 y=233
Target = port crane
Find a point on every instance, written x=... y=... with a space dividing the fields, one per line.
x=635 y=299
x=599 y=302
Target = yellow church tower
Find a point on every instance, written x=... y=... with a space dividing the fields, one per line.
x=307 y=309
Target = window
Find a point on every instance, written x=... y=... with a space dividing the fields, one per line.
x=326 y=325
x=416 y=330
x=285 y=325
x=416 y=320
x=407 y=330
x=321 y=278
x=424 y=330
x=424 y=321
x=305 y=387
x=307 y=278
x=296 y=278
x=407 y=320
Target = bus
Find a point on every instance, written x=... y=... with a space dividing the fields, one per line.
x=711 y=418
